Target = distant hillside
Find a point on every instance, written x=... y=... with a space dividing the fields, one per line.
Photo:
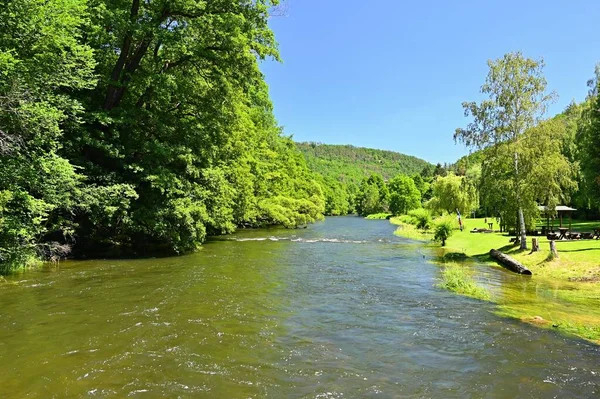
x=350 y=164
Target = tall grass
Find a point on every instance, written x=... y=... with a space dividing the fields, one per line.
x=378 y=216
x=457 y=278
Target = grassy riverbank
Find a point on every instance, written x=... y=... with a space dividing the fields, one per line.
x=567 y=294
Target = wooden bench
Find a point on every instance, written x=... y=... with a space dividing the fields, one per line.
x=574 y=236
x=552 y=236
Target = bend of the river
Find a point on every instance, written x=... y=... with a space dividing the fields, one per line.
x=342 y=309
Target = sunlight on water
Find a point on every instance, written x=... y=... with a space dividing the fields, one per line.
x=342 y=309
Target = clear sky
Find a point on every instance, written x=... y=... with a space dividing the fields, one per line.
x=392 y=74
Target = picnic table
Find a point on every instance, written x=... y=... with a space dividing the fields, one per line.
x=596 y=234
x=574 y=236
x=552 y=236
x=563 y=232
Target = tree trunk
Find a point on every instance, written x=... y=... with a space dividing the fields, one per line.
x=509 y=262
x=535 y=245
x=522 y=227
x=553 y=250
x=520 y=211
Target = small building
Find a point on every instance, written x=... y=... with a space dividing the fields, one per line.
x=560 y=210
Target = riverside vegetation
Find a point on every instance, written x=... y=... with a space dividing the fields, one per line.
x=523 y=161
x=135 y=128
x=138 y=128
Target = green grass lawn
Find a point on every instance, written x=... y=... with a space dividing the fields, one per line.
x=578 y=259
x=569 y=294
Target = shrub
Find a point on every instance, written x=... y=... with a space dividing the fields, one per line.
x=378 y=216
x=422 y=218
x=407 y=219
x=443 y=229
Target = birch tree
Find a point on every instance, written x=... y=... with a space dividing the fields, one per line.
x=517 y=101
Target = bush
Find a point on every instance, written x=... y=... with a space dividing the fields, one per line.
x=407 y=219
x=443 y=229
x=421 y=217
x=378 y=216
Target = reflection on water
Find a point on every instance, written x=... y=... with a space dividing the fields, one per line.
x=341 y=309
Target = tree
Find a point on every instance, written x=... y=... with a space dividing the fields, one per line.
x=588 y=142
x=141 y=126
x=439 y=170
x=547 y=176
x=373 y=196
x=423 y=186
x=404 y=195
x=451 y=193
x=517 y=100
x=42 y=63
x=443 y=229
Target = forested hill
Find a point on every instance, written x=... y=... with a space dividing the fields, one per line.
x=352 y=164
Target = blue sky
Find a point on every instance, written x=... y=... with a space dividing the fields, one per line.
x=393 y=74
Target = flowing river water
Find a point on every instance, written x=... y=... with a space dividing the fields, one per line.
x=342 y=309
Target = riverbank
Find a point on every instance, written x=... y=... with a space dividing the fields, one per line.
x=567 y=289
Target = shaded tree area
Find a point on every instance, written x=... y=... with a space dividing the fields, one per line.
x=140 y=127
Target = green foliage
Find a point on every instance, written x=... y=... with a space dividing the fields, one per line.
x=347 y=163
x=378 y=216
x=517 y=99
x=443 y=229
x=456 y=278
x=421 y=218
x=453 y=192
x=588 y=143
x=424 y=186
x=372 y=196
x=404 y=195
x=141 y=126
x=42 y=62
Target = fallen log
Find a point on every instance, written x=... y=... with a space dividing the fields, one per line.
x=509 y=262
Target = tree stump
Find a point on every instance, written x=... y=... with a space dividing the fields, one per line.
x=553 y=250
x=535 y=245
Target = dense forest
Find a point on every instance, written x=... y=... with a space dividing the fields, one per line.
x=348 y=163
x=136 y=127
x=354 y=179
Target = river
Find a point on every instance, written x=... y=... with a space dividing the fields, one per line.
x=342 y=309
